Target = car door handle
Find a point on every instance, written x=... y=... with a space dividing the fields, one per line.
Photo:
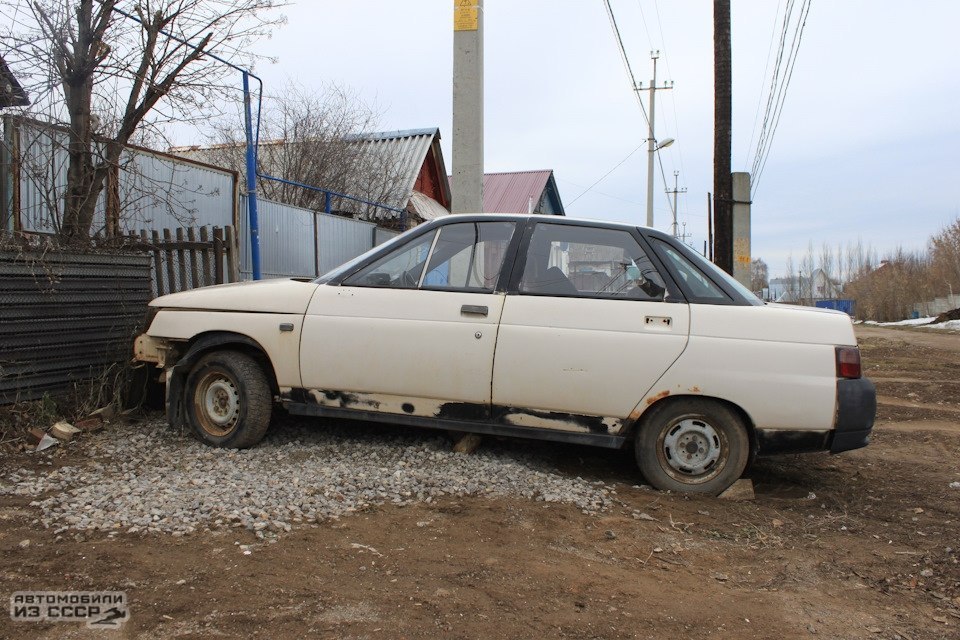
x=474 y=310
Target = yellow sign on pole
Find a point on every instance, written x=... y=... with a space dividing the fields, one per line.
x=465 y=15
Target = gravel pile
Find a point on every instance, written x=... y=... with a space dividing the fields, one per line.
x=147 y=478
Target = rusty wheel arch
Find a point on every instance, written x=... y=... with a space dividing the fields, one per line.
x=631 y=430
x=199 y=346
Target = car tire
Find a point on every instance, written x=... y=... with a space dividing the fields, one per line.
x=227 y=400
x=692 y=445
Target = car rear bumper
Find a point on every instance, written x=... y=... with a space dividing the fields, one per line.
x=856 y=410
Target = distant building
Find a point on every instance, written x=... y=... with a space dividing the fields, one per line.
x=522 y=192
x=800 y=288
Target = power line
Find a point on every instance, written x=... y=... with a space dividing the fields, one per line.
x=774 y=83
x=766 y=67
x=779 y=86
x=791 y=63
x=673 y=99
x=601 y=178
x=626 y=60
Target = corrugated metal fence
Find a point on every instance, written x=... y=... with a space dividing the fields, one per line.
x=301 y=242
x=153 y=190
x=66 y=317
x=156 y=191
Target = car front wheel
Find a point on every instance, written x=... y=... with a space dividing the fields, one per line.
x=692 y=445
x=228 y=400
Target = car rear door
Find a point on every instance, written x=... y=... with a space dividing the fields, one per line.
x=588 y=327
x=413 y=332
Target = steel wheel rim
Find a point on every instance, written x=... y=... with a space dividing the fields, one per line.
x=217 y=403
x=691 y=450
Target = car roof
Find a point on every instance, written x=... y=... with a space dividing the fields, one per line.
x=543 y=218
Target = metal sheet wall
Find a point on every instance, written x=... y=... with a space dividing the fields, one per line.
x=66 y=317
x=341 y=239
x=157 y=191
x=287 y=246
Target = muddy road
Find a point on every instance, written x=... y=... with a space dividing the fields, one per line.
x=861 y=545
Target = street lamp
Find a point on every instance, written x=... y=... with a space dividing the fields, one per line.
x=652 y=148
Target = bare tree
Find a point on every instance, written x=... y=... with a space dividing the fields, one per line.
x=792 y=288
x=759 y=275
x=112 y=79
x=316 y=139
x=807 y=267
x=890 y=291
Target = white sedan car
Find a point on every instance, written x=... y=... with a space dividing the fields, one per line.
x=538 y=327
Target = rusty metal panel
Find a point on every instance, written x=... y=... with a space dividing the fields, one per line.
x=66 y=317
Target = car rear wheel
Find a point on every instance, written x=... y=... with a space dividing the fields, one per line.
x=692 y=445
x=228 y=400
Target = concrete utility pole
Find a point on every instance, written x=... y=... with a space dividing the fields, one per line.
x=652 y=147
x=467 y=106
x=741 y=227
x=675 y=192
x=722 y=135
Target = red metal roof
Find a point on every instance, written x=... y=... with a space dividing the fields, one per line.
x=510 y=192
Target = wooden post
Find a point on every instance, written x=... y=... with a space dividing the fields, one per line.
x=182 y=260
x=155 y=278
x=218 y=254
x=194 y=268
x=233 y=266
x=722 y=137
x=168 y=256
x=205 y=255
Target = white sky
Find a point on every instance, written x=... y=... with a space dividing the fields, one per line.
x=867 y=146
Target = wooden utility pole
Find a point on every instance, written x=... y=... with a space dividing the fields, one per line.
x=723 y=118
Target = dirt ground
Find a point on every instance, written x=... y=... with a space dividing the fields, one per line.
x=860 y=545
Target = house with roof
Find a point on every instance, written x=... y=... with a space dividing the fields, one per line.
x=801 y=288
x=416 y=160
x=403 y=170
x=522 y=192
x=11 y=93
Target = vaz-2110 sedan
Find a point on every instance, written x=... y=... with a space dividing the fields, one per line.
x=531 y=326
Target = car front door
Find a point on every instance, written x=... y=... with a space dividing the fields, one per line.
x=413 y=332
x=587 y=329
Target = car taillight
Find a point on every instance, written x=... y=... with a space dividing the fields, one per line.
x=848 y=362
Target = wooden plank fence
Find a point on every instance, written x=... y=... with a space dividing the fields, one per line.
x=184 y=259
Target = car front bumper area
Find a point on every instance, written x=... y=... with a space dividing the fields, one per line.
x=856 y=410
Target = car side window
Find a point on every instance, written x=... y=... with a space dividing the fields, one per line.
x=589 y=262
x=465 y=256
x=700 y=287
x=399 y=269
x=468 y=256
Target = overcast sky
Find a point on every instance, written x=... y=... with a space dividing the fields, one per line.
x=867 y=145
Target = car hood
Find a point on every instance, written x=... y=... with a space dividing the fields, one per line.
x=283 y=295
